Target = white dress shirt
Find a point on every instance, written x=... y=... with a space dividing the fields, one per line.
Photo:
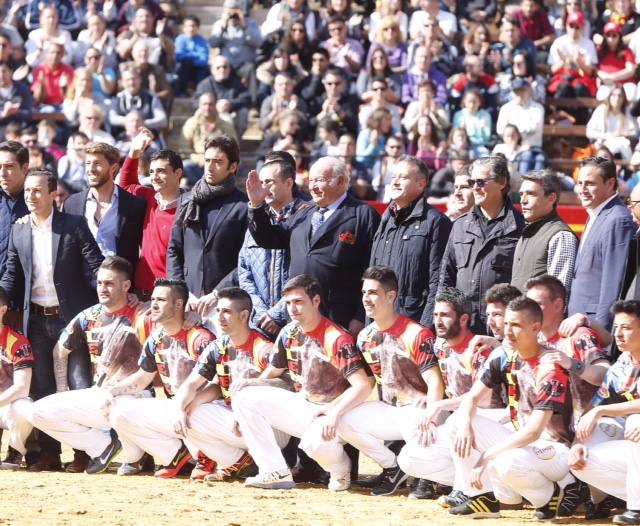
x=43 y=290
x=105 y=230
x=334 y=206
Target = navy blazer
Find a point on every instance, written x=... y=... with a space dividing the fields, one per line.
x=131 y=212
x=601 y=263
x=337 y=255
x=73 y=246
x=205 y=253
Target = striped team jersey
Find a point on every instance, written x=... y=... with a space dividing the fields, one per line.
x=585 y=346
x=397 y=358
x=320 y=361
x=231 y=362
x=113 y=339
x=621 y=383
x=174 y=356
x=15 y=353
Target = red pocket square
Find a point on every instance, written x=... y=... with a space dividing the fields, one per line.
x=347 y=237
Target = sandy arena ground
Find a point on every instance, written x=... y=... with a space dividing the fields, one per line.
x=45 y=499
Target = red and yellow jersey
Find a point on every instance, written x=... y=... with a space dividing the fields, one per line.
x=397 y=357
x=231 y=362
x=319 y=361
x=459 y=365
x=174 y=356
x=15 y=353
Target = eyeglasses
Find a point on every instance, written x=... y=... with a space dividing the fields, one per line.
x=335 y=83
x=222 y=67
x=480 y=183
x=630 y=203
x=574 y=26
x=394 y=146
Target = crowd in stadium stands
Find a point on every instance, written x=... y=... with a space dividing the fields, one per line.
x=487 y=352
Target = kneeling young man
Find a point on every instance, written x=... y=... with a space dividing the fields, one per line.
x=607 y=453
x=16 y=363
x=146 y=424
x=207 y=422
x=531 y=459
x=330 y=377
x=400 y=354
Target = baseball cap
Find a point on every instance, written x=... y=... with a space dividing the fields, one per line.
x=519 y=83
x=232 y=4
x=611 y=27
x=576 y=18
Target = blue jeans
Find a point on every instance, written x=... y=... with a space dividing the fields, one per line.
x=533 y=159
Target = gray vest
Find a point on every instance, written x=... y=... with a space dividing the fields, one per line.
x=532 y=250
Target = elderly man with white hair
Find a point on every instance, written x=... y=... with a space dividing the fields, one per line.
x=330 y=238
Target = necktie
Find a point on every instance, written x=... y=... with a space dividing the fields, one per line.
x=317 y=219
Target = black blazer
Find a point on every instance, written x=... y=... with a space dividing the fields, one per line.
x=337 y=255
x=203 y=254
x=73 y=246
x=131 y=211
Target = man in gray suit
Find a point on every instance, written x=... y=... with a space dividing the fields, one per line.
x=604 y=247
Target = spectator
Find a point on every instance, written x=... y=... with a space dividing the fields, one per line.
x=16 y=101
x=104 y=78
x=288 y=130
x=344 y=52
x=144 y=27
x=133 y=97
x=162 y=203
x=411 y=239
x=378 y=66
x=237 y=38
x=262 y=272
x=511 y=42
x=10 y=54
x=192 y=55
x=125 y=15
x=547 y=244
x=34 y=16
x=475 y=77
x=443 y=183
x=212 y=215
x=521 y=68
x=283 y=98
x=426 y=105
x=153 y=76
x=278 y=63
x=477 y=41
x=233 y=97
x=79 y=95
x=326 y=144
x=430 y=11
x=514 y=152
x=99 y=37
x=132 y=124
x=341 y=8
x=480 y=250
x=334 y=249
x=372 y=138
x=424 y=143
x=458 y=140
x=389 y=38
x=39 y=159
x=115 y=218
x=49 y=32
x=604 y=245
x=386 y=8
x=311 y=88
x=380 y=88
x=46 y=139
x=478 y=11
x=616 y=64
x=623 y=14
x=423 y=69
x=284 y=11
x=534 y=24
x=383 y=169
x=300 y=46
x=336 y=102
x=204 y=124
x=90 y=123
x=612 y=125
x=359 y=176
x=475 y=120
x=71 y=167
x=51 y=80
x=444 y=55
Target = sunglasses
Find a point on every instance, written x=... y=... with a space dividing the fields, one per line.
x=611 y=35
x=480 y=183
x=575 y=26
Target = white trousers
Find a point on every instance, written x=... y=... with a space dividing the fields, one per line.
x=613 y=464
x=211 y=432
x=260 y=410
x=16 y=419
x=146 y=425
x=367 y=426
x=75 y=418
x=528 y=472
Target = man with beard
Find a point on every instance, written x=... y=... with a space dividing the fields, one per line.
x=400 y=354
x=114 y=216
x=330 y=378
x=112 y=333
x=142 y=424
x=427 y=455
x=210 y=224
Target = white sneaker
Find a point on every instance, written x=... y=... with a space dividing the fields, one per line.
x=340 y=483
x=274 y=480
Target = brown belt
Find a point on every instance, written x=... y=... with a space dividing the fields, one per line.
x=44 y=311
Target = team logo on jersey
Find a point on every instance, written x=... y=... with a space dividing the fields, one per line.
x=554 y=388
x=608 y=429
x=545 y=453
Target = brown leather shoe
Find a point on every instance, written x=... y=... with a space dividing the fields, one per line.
x=46 y=462
x=79 y=464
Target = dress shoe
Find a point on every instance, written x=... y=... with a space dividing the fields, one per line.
x=46 y=462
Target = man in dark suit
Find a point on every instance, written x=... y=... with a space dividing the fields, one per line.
x=604 y=246
x=44 y=274
x=329 y=239
x=210 y=224
x=115 y=217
